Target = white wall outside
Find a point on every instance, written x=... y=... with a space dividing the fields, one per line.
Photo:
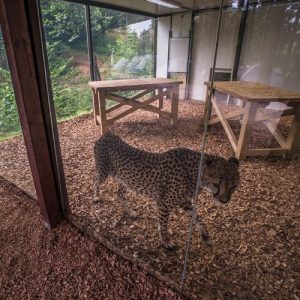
x=163 y=28
x=271 y=47
x=203 y=47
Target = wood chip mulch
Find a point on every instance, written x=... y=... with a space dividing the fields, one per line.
x=63 y=263
x=255 y=252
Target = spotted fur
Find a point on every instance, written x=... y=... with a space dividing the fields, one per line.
x=169 y=177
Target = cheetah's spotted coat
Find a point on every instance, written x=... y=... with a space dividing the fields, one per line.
x=169 y=177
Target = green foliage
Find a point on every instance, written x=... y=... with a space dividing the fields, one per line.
x=70 y=101
x=65 y=32
x=9 y=119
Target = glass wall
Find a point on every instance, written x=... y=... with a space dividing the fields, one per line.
x=65 y=33
x=203 y=47
x=271 y=46
x=255 y=234
x=123 y=44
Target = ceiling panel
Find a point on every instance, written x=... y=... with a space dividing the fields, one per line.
x=150 y=8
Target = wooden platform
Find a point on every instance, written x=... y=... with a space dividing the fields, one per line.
x=256 y=97
x=158 y=88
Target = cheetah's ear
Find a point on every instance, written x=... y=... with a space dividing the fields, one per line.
x=234 y=161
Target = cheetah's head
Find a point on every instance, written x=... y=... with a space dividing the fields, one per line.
x=221 y=177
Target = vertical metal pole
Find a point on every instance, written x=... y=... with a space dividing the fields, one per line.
x=201 y=162
x=240 y=39
x=90 y=41
x=155 y=48
x=190 y=57
x=169 y=44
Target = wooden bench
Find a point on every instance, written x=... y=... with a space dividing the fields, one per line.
x=158 y=88
x=256 y=97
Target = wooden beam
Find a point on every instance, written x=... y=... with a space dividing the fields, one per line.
x=261 y=116
x=22 y=58
x=113 y=96
x=294 y=135
x=115 y=107
x=225 y=124
x=174 y=104
x=102 y=111
x=160 y=100
x=96 y=107
x=126 y=101
x=133 y=109
x=227 y=116
x=246 y=130
x=266 y=152
x=275 y=132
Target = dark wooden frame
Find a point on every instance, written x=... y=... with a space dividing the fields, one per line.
x=23 y=41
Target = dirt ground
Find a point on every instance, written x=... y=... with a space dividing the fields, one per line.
x=64 y=263
x=255 y=252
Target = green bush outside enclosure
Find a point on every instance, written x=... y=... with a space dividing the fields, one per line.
x=123 y=47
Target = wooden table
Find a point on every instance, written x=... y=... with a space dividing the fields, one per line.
x=158 y=88
x=255 y=98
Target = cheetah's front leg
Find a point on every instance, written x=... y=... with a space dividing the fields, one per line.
x=121 y=196
x=96 y=189
x=188 y=208
x=163 y=219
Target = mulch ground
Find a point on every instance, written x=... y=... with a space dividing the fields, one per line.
x=255 y=252
x=63 y=263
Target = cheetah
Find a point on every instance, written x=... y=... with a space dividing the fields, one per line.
x=169 y=178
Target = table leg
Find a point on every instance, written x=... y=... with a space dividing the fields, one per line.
x=246 y=129
x=208 y=106
x=160 y=100
x=96 y=106
x=294 y=134
x=102 y=112
x=174 y=104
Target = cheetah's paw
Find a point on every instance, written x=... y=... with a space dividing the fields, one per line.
x=207 y=239
x=131 y=214
x=169 y=246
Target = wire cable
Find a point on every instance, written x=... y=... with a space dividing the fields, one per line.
x=201 y=162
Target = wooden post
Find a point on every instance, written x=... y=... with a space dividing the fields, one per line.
x=294 y=134
x=207 y=108
x=174 y=104
x=102 y=111
x=96 y=107
x=160 y=101
x=22 y=58
x=246 y=129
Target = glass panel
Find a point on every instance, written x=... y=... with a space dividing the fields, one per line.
x=277 y=62
x=65 y=33
x=203 y=47
x=14 y=165
x=253 y=233
x=123 y=44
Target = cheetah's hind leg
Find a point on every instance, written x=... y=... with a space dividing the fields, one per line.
x=128 y=212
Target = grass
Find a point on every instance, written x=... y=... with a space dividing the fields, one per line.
x=10 y=135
